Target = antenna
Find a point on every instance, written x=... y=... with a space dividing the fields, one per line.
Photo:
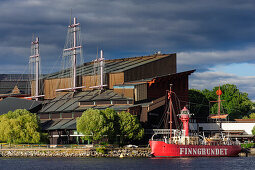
x=70 y=16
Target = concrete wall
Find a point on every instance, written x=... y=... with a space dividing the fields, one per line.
x=247 y=127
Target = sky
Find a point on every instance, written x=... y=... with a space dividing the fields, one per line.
x=215 y=37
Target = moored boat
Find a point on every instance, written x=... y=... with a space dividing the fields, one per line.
x=163 y=149
x=178 y=143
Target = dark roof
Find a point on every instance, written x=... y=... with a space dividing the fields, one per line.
x=6 y=86
x=58 y=124
x=12 y=103
x=111 y=66
x=137 y=82
x=70 y=101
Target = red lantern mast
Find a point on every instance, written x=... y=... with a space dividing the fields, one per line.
x=219 y=93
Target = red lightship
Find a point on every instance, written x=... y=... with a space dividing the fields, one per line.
x=178 y=143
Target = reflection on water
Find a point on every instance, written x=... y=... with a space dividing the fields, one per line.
x=128 y=163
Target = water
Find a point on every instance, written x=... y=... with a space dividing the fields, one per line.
x=128 y=163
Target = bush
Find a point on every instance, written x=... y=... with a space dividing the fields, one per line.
x=247 y=145
x=44 y=138
x=101 y=150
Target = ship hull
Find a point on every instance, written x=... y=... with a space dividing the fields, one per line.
x=162 y=149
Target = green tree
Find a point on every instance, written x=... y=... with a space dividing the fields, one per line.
x=19 y=126
x=109 y=124
x=198 y=104
x=93 y=124
x=130 y=128
x=235 y=103
x=112 y=121
x=253 y=130
x=210 y=95
x=250 y=116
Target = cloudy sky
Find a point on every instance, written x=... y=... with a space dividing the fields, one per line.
x=215 y=37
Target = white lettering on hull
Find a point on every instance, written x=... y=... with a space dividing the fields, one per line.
x=204 y=151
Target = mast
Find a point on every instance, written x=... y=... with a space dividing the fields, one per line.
x=37 y=67
x=170 y=111
x=101 y=69
x=219 y=93
x=35 y=58
x=74 y=25
x=73 y=49
x=74 y=53
x=219 y=101
x=100 y=63
x=218 y=115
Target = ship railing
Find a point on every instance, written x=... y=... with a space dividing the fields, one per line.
x=176 y=134
x=161 y=131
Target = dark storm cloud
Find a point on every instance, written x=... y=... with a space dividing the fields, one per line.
x=130 y=27
x=204 y=33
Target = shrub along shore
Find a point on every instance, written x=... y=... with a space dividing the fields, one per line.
x=68 y=152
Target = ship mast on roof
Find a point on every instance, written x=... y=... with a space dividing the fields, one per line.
x=71 y=53
x=99 y=67
x=34 y=63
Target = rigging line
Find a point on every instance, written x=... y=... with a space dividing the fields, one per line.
x=177 y=102
x=195 y=103
x=165 y=111
x=21 y=75
x=161 y=119
x=54 y=66
x=166 y=121
x=31 y=104
x=175 y=119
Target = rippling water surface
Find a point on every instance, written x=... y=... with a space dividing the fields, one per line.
x=128 y=163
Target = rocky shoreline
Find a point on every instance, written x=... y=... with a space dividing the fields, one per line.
x=117 y=152
x=89 y=152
